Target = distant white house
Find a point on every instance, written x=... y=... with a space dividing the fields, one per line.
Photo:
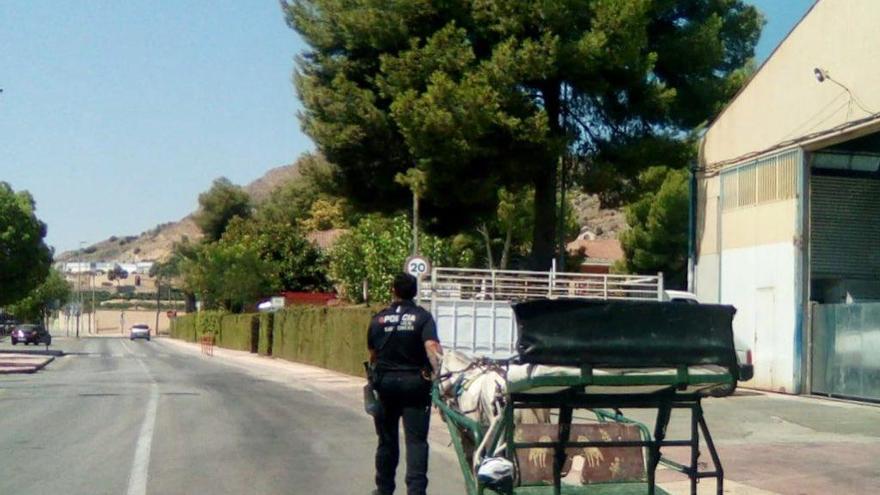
x=140 y=268
x=76 y=267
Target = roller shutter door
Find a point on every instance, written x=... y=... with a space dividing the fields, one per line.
x=845 y=227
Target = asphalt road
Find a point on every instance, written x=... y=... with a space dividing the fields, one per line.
x=119 y=417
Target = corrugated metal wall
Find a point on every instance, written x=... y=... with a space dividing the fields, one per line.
x=845 y=227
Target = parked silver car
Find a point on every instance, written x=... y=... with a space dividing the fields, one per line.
x=139 y=331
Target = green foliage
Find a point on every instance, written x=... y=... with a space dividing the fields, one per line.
x=228 y=275
x=324 y=214
x=332 y=338
x=492 y=93
x=50 y=295
x=117 y=274
x=375 y=250
x=656 y=240
x=293 y=261
x=24 y=256
x=219 y=205
x=504 y=240
x=235 y=331
x=184 y=327
x=293 y=201
x=264 y=345
x=208 y=322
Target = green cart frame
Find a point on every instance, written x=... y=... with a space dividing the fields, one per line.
x=683 y=389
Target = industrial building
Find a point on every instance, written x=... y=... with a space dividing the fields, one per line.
x=787 y=224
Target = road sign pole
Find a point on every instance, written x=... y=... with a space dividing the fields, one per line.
x=418 y=267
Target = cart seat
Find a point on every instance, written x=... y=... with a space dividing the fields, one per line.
x=540 y=379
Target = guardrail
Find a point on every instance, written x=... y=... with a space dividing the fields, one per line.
x=516 y=285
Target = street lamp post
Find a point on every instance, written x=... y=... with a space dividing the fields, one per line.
x=79 y=286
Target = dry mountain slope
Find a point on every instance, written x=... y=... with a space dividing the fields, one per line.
x=156 y=243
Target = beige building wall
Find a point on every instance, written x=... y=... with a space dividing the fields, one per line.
x=109 y=322
x=784 y=101
x=708 y=201
x=760 y=225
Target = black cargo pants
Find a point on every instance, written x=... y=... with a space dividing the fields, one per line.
x=406 y=395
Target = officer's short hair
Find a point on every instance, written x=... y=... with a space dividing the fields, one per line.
x=405 y=286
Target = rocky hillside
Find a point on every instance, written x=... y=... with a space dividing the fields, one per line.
x=605 y=223
x=156 y=243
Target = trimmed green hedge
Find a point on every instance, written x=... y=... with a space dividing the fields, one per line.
x=264 y=345
x=332 y=338
x=184 y=327
x=192 y=326
x=235 y=331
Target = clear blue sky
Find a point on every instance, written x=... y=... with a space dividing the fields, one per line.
x=116 y=114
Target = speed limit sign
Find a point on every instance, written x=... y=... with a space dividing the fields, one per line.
x=417 y=266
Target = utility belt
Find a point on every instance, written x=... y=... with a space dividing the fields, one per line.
x=376 y=375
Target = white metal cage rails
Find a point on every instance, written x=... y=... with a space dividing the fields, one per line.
x=473 y=307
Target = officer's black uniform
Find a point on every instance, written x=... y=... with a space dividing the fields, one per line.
x=403 y=391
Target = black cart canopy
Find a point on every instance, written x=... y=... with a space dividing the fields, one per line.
x=625 y=334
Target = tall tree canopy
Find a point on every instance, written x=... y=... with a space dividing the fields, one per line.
x=488 y=93
x=295 y=262
x=50 y=295
x=310 y=199
x=219 y=205
x=657 y=238
x=24 y=257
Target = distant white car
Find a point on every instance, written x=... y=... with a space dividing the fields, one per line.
x=743 y=351
x=139 y=331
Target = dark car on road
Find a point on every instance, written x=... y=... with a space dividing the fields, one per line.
x=31 y=334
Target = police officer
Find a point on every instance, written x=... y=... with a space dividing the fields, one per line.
x=405 y=353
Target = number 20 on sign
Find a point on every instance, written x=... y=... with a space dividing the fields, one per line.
x=417 y=266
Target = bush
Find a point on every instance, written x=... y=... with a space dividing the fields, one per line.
x=267 y=321
x=208 y=322
x=375 y=251
x=235 y=331
x=332 y=338
x=184 y=328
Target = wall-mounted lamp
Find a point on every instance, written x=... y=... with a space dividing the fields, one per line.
x=822 y=75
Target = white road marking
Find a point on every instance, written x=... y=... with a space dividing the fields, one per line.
x=137 y=480
x=125 y=346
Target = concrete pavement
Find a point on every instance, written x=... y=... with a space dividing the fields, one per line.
x=768 y=443
x=120 y=417
x=114 y=416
